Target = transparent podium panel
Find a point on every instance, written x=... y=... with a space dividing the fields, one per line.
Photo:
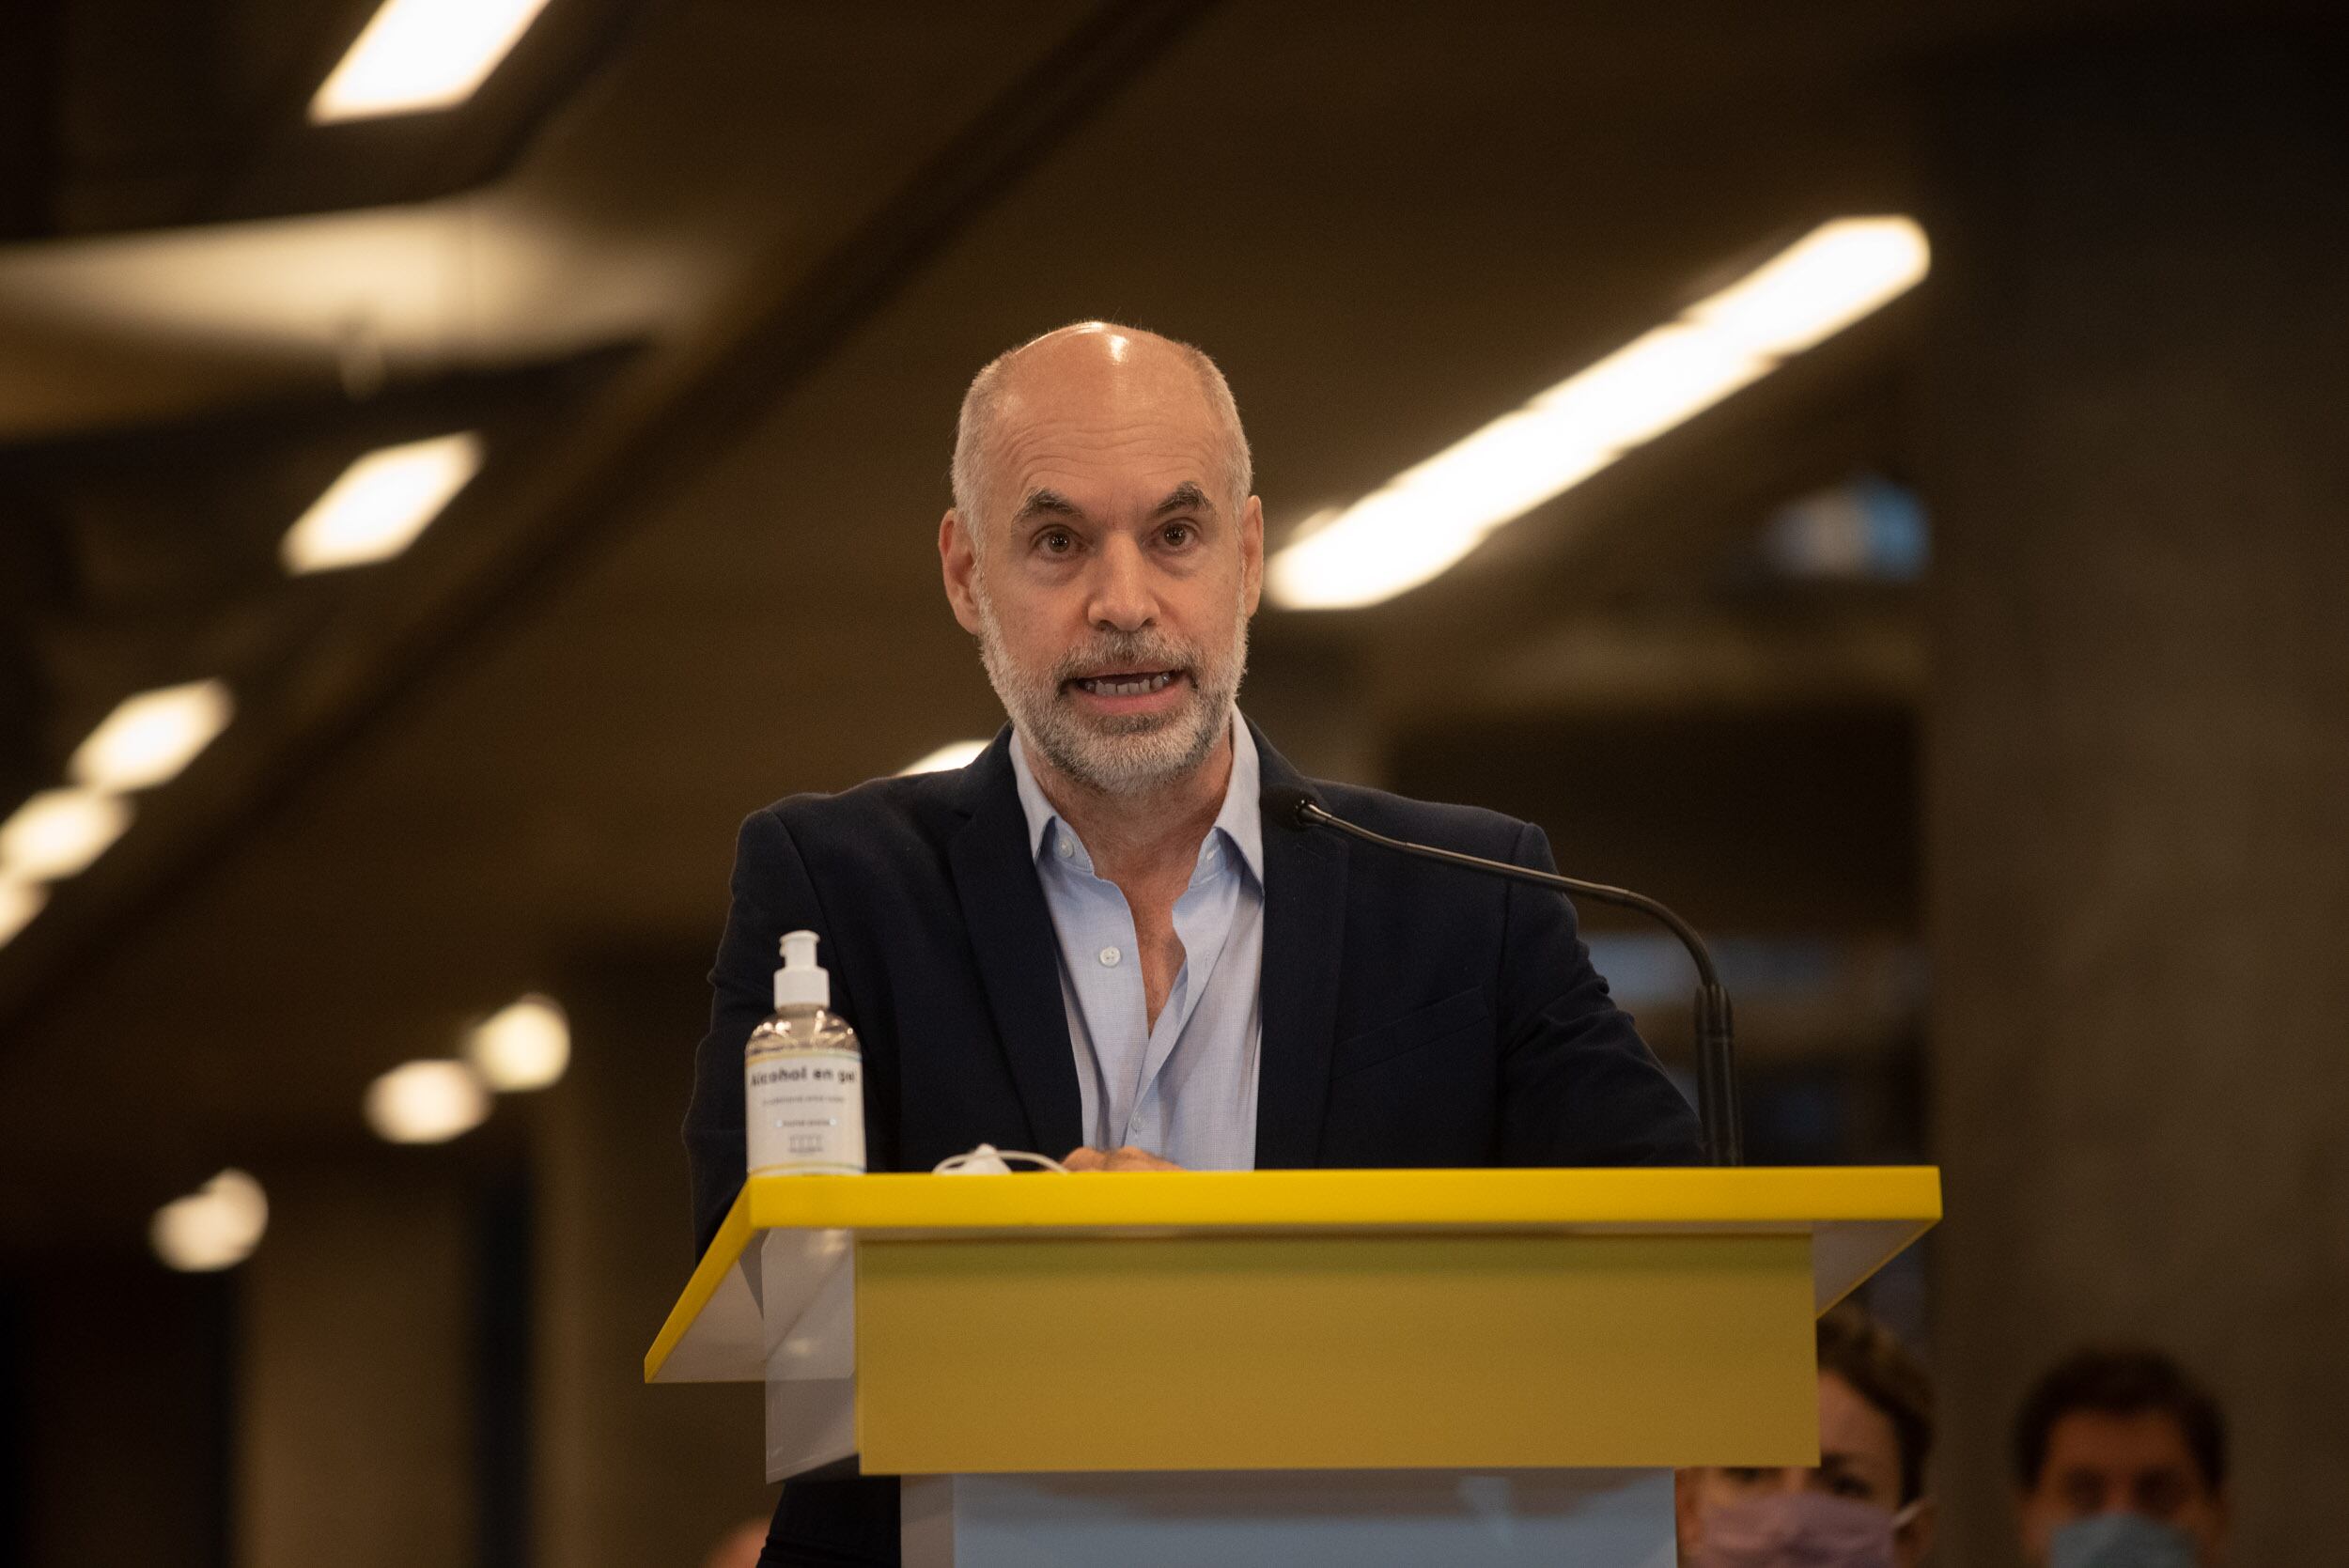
x=1291 y=1519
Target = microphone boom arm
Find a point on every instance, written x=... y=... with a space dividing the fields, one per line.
x=1717 y=1082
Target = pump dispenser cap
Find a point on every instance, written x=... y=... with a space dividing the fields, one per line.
x=801 y=982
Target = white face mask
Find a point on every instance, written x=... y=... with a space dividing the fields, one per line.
x=988 y=1161
x=1799 y=1529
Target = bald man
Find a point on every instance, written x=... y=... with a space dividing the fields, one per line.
x=1091 y=942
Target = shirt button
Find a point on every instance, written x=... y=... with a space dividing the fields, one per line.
x=1109 y=956
x=1067 y=846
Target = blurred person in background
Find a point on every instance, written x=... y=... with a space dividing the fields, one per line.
x=2121 y=1462
x=1864 y=1505
x=740 y=1546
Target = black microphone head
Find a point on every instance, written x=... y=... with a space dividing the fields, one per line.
x=1286 y=804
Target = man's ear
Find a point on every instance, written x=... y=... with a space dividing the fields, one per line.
x=956 y=562
x=1251 y=550
x=2032 y=1524
x=1688 y=1510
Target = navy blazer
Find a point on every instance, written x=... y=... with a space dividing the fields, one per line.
x=1413 y=1014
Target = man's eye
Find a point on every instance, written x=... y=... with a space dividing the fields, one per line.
x=2083 y=1493
x=1056 y=541
x=1178 y=533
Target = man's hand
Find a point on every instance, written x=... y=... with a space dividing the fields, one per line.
x=1126 y=1157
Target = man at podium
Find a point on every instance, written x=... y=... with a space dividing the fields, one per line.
x=1093 y=941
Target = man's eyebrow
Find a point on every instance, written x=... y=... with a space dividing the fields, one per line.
x=1046 y=503
x=1184 y=497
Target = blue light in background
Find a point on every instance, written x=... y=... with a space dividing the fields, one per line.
x=1867 y=528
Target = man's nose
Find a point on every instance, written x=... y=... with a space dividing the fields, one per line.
x=1122 y=597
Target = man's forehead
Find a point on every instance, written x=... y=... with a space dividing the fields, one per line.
x=1185 y=495
x=2140 y=1438
x=1097 y=462
x=1853 y=1428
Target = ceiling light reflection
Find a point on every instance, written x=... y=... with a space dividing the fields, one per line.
x=148 y=739
x=1429 y=517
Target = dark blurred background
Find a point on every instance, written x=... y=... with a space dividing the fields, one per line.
x=1979 y=677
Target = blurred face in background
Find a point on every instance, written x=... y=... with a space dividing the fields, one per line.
x=1850 y=1513
x=1110 y=573
x=2100 y=1465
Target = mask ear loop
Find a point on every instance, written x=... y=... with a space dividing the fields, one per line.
x=1042 y=1163
x=1908 y=1515
x=965 y=1163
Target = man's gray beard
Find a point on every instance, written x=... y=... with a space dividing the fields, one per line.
x=1123 y=756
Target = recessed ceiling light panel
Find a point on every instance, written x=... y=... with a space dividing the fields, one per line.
x=380 y=503
x=20 y=901
x=525 y=1045
x=427 y=1102
x=419 y=54
x=148 y=739
x=955 y=753
x=59 y=832
x=212 y=1228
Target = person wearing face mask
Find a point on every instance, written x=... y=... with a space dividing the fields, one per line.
x=1863 y=1505
x=2121 y=1462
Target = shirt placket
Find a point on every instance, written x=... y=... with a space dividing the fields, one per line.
x=1111 y=995
x=1203 y=937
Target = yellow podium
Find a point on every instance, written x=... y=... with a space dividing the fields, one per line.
x=1321 y=1322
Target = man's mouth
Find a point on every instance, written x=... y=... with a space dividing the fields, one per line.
x=1125 y=683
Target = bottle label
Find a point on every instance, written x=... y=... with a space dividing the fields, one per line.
x=805 y=1113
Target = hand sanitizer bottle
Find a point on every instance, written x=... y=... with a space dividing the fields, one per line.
x=803 y=1076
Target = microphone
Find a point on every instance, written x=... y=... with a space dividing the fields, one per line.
x=1716 y=1073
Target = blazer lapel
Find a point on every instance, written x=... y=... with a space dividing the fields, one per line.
x=1304 y=921
x=1011 y=933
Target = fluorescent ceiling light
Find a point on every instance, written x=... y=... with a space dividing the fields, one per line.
x=523 y=1045
x=20 y=901
x=148 y=738
x=957 y=753
x=427 y=1102
x=422 y=55
x=214 y=1227
x=1426 y=519
x=59 y=832
x=380 y=503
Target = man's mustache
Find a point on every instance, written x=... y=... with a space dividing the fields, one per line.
x=1124 y=653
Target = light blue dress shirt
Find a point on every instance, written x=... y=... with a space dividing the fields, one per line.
x=1185 y=1090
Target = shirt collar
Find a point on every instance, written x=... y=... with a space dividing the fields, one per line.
x=1241 y=818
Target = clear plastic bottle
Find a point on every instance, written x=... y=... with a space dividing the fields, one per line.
x=803 y=1076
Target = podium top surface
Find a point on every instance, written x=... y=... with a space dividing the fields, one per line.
x=1858 y=1217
